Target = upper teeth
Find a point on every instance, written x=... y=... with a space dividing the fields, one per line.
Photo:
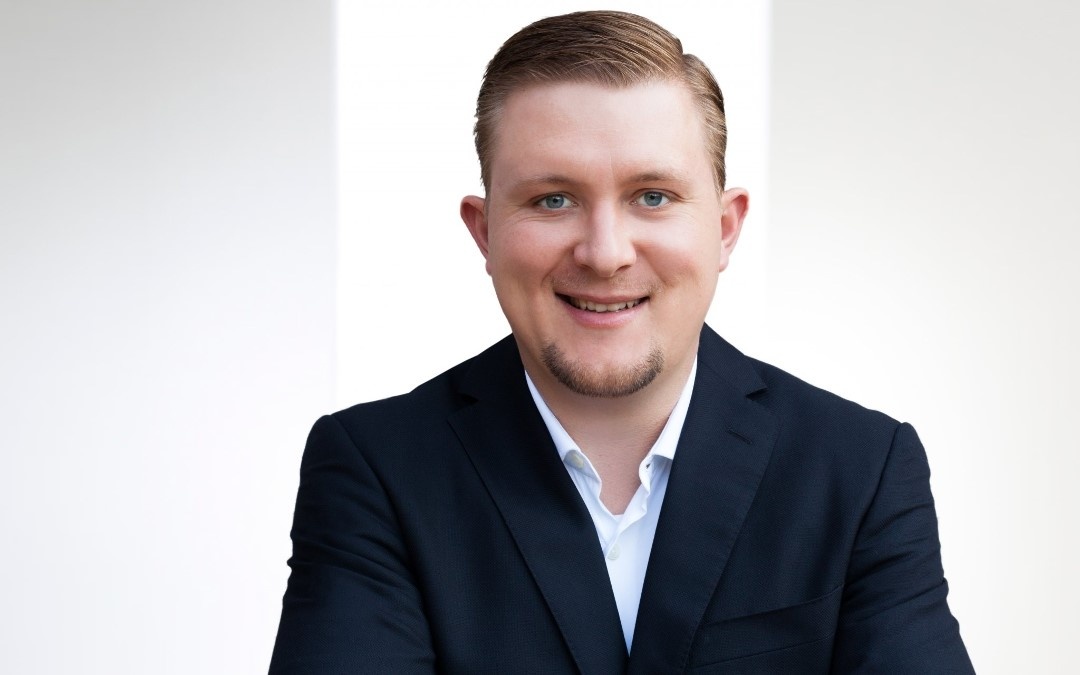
x=601 y=307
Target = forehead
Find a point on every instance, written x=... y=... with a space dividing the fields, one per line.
x=594 y=129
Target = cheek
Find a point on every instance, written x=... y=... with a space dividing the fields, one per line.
x=689 y=260
x=524 y=255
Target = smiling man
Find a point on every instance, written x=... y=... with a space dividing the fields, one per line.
x=613 y=488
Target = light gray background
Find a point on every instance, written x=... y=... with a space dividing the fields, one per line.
x=178 y=302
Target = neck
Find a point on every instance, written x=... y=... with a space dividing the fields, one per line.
x=615 y=431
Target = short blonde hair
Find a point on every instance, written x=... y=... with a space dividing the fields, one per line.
x=615 y=49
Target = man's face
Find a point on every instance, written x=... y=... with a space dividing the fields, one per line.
x=604 y=232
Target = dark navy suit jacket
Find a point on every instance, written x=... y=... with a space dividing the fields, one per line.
x=439 y=532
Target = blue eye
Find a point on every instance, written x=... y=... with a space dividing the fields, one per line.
x=653 y=198
x=555 y=202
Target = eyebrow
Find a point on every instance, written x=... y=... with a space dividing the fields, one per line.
x=543 y=179
x=559 y=179
x=659 y=177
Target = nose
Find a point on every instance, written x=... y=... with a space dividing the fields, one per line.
x=606 y=245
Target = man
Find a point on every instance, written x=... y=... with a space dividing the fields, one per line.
x=613 y=488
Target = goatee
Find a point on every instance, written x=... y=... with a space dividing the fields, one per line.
x=581 y=379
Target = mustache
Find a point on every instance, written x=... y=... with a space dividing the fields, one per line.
x=569 y=284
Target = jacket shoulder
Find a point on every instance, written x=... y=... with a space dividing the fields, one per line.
x=791 y=399
x=420 y=411
x=819 y=430
x=419 y=408
x=789 y=395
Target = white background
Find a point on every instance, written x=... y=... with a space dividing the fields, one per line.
x=179 y=299
x=167 y=247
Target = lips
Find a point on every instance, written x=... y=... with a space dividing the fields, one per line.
x=601 y=307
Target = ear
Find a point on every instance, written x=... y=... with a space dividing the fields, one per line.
x=475 y=218
x=734 y=203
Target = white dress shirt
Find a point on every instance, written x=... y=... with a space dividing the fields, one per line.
x=626 y=539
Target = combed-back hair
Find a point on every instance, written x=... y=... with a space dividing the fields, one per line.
x=612 y=49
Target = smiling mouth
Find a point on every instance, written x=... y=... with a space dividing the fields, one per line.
x=600 y=307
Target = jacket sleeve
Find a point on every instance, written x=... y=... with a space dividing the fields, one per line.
x=352 y=604
x=894 y=615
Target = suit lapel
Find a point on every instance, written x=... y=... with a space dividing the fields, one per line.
x=506 y=439
x=722 y=454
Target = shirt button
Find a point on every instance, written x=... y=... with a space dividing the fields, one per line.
x=613 y=552
x=575 y=460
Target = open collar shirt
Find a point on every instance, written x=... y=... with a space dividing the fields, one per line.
x=626 y=539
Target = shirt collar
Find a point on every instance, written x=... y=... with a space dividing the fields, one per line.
x=665 y=443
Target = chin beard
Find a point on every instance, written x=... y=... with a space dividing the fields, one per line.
x=586 y=381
